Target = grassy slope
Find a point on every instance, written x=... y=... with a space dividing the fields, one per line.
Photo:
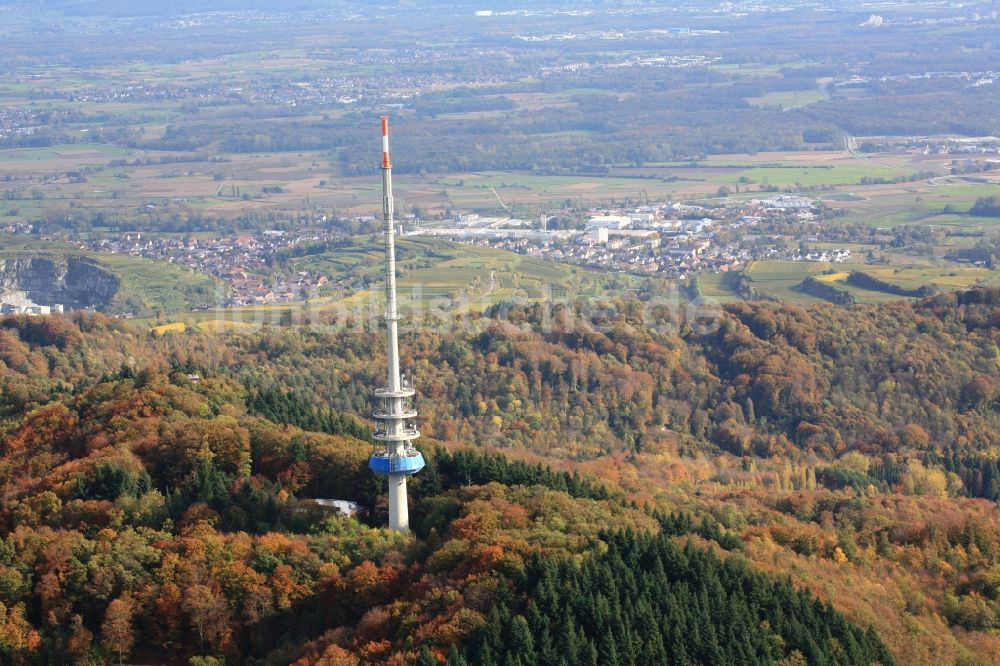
x=431 y=268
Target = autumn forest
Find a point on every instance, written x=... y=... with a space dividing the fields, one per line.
x=798 y=486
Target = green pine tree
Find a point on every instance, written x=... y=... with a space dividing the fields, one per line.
x=426 y=658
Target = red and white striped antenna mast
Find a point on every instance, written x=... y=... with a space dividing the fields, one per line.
x=386 y=162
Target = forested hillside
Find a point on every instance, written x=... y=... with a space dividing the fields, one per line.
x=797 y=486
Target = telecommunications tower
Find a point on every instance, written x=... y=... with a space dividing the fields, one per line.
x=395 y=412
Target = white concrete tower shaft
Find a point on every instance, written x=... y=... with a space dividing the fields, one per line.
x=399 y=510
x=399 y=459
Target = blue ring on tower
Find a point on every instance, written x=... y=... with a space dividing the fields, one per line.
x=387 y=463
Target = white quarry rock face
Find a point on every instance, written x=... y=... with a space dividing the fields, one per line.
x=74 y=282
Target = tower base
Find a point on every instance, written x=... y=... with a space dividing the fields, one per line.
x=399 y=512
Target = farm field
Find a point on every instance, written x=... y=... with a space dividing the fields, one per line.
x=945 y=277
x=174 y=327
x=118 y=181
x=856 y=248
x=941 y=202
x=779 y=278
x=719 y=287
x=94 y=153
x=790 y=99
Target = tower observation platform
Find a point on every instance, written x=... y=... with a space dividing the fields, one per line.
x=395 y=413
